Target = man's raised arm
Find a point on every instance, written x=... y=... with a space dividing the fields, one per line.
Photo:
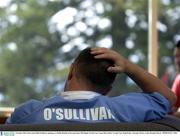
x=146 y=81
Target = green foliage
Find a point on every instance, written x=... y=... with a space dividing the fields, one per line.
x=33 y=56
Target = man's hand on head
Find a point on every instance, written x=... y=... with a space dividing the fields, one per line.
x=104 y=53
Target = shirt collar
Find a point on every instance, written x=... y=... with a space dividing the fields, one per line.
x=74 y=95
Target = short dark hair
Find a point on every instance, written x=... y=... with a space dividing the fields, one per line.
x=178 y=44
x=94 y=70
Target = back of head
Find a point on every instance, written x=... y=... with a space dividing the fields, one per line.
x=94 y=71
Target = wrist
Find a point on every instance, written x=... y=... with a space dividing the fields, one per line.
x=126 y=66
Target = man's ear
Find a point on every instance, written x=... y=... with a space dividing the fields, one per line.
x=71 y=69
x=106 y=91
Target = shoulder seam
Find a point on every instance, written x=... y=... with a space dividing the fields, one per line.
x=26 y=116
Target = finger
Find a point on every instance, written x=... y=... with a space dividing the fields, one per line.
x=98 y=50
x=115 y=69
x=103 y=56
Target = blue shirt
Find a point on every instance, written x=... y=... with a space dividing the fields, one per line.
x=132 y=107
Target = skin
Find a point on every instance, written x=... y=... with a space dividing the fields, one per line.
x=73 y=83
x=146 y=81
x=176 y=114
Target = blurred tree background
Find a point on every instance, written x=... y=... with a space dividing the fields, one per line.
x=40 y=38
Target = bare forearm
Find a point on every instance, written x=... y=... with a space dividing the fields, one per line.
x=176 y=114
x=148 y=82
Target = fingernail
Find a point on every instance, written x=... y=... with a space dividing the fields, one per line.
x=95 y=56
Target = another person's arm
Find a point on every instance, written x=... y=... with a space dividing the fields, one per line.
x=176 y=114
x=146 y=81
x=176 y=90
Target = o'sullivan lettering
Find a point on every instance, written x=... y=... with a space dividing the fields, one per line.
x=94 y=114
